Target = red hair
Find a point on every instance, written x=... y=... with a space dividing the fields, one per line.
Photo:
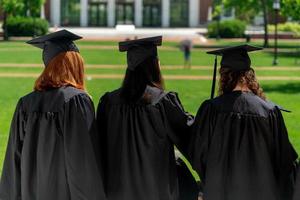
x=66 y=69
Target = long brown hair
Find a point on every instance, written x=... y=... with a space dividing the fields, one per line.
x=229 y=80
x=135 y=82
x=66 y=69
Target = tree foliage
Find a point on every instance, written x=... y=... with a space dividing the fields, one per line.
x=33 y=7
x=250 y=8
x=12 y=7
x=22 y=7
x=291 y=8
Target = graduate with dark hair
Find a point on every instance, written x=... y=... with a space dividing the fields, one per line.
x=240 y=145
x=138 y=126
x=50 y=154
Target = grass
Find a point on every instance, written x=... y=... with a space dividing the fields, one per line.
x=192 y=93
x=19 y=52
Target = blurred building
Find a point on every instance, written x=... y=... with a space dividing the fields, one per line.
x=141 y=13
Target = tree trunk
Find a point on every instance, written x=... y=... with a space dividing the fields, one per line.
x=5 y=34
x=266 y=22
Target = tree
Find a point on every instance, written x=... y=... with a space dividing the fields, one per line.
x=33 y=7
x=216 y=15
x=291 y=8
x=251 y=7
x=10 y=8
x=25 y=8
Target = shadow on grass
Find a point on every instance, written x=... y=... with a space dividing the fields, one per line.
x=287 y=88
x=288 y=54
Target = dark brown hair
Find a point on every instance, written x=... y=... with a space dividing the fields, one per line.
x=135 y=82
x=66 y=69
x=229 y=80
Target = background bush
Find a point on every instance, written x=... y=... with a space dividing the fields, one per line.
x=227 y=29
x=26 y=26
x=291 y=27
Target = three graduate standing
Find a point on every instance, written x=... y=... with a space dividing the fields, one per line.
x=238 y=143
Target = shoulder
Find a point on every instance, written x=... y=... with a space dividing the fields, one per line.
x=112 y=97
x=52 y=100
x=68 y=93
x=243 y=103
x=155 y=95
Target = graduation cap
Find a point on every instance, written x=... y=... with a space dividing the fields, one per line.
x=235 y=58
x=139 y=50
x=55 y=43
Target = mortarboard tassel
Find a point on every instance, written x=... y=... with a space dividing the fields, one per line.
x=214 y=79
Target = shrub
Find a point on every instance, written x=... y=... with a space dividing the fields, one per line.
x=227 y=29
x=26 y=26
x=291 y=27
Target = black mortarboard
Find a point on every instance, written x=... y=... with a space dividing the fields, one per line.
x=55 y=43
x=139 y=50
x=235 y=58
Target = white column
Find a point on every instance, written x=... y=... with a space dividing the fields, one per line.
x=84 y=4
x=138 y=13
x=111 y=9
x=55 y=12
x=165 y=13
x=194 y=13
x=42 y=15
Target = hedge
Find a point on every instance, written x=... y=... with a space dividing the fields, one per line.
x=26 y=26
x=227 y=29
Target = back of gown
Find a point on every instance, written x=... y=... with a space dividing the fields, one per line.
x=137 y=145
x=50 y=153
x=240 y=148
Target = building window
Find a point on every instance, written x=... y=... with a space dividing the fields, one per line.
x=70 y=12
x=152 y=13
x=124 y=12
x=179 y=13
x=98 y=13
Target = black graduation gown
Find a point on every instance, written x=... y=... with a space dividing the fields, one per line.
x=50 y=154
x=188 y=187
x=297 y=186
x=241 y=150
x=137 y=145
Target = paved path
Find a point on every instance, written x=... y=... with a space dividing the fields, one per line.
x=166 y=77
x=175 y=67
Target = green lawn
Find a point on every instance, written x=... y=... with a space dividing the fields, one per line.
x=192 y=93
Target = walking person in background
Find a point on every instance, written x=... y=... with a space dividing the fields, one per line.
x=240 y=145
x=138 y=126
x=50 y=153
x=186 y=47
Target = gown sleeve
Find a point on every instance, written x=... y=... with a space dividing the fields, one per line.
x=285 y=156
x=179 y=121
x=200 y=139
x=101 y=136
x=10 y=184
x=296 y=195
x=83 y=175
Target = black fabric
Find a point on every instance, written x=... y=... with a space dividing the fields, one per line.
x=236 y=58
x=55 y=43
x=297 y=186
x=50 y=154
x=241 y=150
x=137 y=144
x=188 y=187
x=139 y=50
